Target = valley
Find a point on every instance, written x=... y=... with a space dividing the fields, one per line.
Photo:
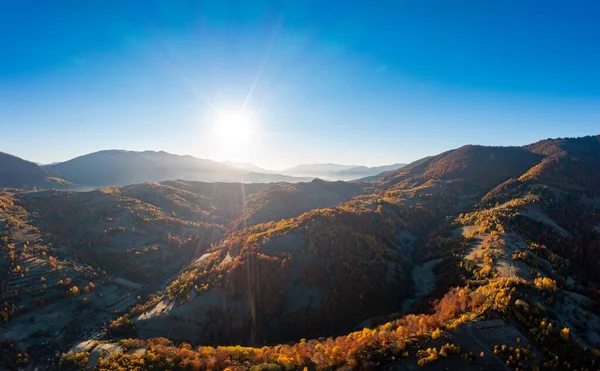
x=479 y=257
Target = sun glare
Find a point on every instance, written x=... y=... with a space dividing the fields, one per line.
x=233 y=132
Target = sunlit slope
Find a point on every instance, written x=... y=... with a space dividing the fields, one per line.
x=129 y=242
x=49 y=296
x=320 y=273
x=491 y=248
x=517 y=242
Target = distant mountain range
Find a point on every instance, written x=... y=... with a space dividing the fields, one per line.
x=339 y=172
x=248 y=166
x=116 y=167
x=119 y=168
x=321 y=169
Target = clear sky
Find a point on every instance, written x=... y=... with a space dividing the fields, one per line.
x=353 y=82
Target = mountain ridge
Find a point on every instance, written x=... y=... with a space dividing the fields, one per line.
x=436 y=259
x=332 y=171
x=16 y=172
x=117 y=167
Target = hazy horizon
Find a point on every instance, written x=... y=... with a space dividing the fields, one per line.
x=279 y=84
x=221 y=161
x=291 y=165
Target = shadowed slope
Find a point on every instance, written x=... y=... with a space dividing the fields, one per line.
x=115 y=167
x=18 y=173
x=288 y=200
x=478 y=167
x=572 y=163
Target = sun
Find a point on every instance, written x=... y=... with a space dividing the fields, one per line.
x=233 y=132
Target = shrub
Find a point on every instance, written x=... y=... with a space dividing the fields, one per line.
x=74 y=361
x=448 y=349
x=266 y=367
x=545 y=284
x=565 y=333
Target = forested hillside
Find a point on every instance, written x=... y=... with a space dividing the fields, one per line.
x=480 y=257
x=18 y=173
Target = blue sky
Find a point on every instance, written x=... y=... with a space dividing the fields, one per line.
x=371 y=82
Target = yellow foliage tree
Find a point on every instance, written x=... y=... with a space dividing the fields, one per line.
x=564 y=333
